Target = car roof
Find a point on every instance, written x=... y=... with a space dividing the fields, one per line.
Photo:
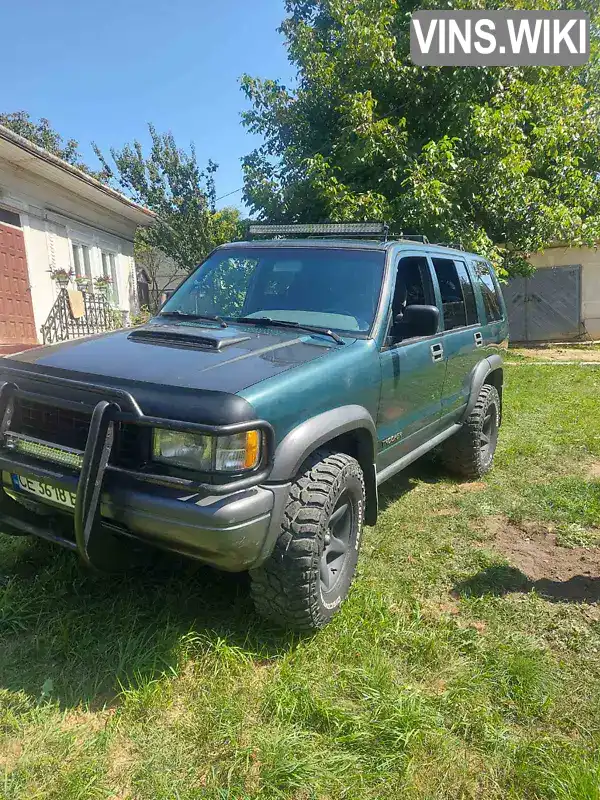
x=355 y=244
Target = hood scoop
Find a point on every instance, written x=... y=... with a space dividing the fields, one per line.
x=171 y=336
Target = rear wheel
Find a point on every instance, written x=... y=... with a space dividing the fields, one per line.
x=309 y=573
x=470 y=452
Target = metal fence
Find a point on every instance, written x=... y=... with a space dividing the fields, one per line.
x=97 y=317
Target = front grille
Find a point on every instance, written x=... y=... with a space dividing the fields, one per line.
x=70 y=429
x=50 y=424
x=132 y=446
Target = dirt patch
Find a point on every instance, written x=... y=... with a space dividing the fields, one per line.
x=439 y=686
x=557 y=353
x=594 y=470
x=93 y=722
x=449 y=607
x=569 y=573
x=122 y=757
x=435 y=609
x=10 y=755
x=470 y=486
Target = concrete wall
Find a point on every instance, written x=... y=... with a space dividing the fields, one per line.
x=51 y=220
x=589 y=258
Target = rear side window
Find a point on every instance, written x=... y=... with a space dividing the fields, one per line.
x=458 y=298
x=489 y=291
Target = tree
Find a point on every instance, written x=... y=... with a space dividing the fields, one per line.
x=162 y=273
x=499 y=160
x=170 y=182
x=42 y=133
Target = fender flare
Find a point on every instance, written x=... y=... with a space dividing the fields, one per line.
x=311 y=434
x=478 y=378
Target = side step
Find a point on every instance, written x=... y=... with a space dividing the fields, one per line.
x=403 y=462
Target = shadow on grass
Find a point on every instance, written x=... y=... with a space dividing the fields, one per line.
x=87 y=636
x=426 y=470
x=504 y=579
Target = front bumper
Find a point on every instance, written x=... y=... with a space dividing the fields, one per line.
x=233 y=528
x=234 y=532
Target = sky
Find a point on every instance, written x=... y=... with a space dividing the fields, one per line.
x=100 y=70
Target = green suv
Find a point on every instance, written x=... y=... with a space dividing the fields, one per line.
x=249 y=424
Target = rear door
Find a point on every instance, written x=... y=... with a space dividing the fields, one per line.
x=462 y=338
x=492 y=309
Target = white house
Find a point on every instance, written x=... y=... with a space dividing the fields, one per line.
x=53 y=216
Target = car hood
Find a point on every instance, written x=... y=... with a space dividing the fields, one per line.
x=180 y=354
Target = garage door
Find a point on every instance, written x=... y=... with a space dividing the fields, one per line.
x=546 y=306
x=17 y=325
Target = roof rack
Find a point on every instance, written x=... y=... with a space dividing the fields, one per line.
x=450 y=245
x=355 y=230
x=414 y=237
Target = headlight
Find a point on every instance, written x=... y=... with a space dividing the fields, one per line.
x=207 y=453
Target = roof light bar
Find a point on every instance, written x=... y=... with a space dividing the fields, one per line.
x=352 y=228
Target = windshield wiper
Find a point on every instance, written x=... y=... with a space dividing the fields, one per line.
x=284 y=323
x=185 y=315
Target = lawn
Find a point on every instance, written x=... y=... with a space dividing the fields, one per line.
x=465 y=664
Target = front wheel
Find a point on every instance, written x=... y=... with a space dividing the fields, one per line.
x=308 y=575
x=470 y=452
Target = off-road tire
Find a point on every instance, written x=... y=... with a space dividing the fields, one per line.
x=288 y=588
x=464 y=453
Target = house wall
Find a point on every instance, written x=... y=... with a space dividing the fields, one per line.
x=589 y=258
x=52 y=220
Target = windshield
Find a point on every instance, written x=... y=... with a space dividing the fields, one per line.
x=326 y=287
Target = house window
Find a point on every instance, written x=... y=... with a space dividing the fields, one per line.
x=109 y=269
x=81 y=261
x=10 y=217
x=458 y=298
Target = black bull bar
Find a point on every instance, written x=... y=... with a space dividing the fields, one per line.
x=92 y=535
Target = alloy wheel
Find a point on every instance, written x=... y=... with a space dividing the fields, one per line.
x=337 y=541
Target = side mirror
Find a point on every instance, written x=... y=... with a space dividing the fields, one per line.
x=419 y=321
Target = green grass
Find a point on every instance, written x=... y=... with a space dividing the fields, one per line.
x=434 y=681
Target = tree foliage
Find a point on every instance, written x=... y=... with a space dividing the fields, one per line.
x=499 y=160
x=42 y=133
x=170 y=182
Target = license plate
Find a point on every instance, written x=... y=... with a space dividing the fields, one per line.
x=44 y=490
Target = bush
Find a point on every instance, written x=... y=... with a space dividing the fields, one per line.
x=141 y=317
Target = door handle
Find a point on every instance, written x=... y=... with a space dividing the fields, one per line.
x=478 y=339
x=437 y=352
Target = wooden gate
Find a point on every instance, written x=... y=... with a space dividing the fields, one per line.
x=17 y=324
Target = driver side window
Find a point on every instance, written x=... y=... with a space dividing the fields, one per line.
x=413 y=287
